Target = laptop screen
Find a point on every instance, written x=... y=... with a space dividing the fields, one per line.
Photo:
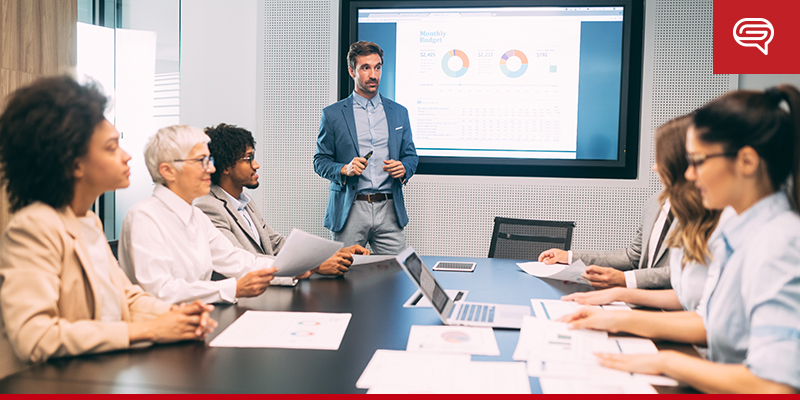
x=427 y=282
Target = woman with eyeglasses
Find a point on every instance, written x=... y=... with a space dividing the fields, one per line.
x=744 y=152
x=689 y=254
x=170 y=247
x=62 y=292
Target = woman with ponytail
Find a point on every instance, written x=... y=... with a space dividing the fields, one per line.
x=743 y=153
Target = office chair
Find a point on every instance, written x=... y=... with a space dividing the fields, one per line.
x=525 y=239
x=114 y=244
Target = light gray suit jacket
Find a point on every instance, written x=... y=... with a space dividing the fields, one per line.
x=228 y=220
x=633 y=256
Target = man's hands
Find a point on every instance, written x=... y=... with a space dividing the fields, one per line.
x=604 y=277
x=255 y=282
x=356 y=249
x=340 y=262
x=182 y=322
x=553 y=256
x=599 y=277
x=355 y=168
x=396 y=169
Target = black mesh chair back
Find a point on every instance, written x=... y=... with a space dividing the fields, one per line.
x=525 y=239
x=114 y=244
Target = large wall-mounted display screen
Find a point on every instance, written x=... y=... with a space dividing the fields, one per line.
x=511 y=88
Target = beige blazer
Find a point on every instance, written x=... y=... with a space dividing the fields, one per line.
x=48 y=289
x=227 y=219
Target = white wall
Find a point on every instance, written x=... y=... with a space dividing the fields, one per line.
x=270 y=66
x=162 y=17
x=763 y=81
x=218 y=62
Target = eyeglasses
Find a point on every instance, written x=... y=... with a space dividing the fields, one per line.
x=206 y=161
x=251 y=159
x=697 y=160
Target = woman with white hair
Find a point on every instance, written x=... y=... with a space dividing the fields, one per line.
x=169 y=246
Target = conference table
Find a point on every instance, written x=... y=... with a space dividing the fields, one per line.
x=374 y=294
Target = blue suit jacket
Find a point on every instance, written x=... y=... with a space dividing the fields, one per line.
x=337 y=145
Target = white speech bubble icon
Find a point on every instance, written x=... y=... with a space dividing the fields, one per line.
x=754 y=32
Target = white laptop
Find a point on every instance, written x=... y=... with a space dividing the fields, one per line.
x=459 y=312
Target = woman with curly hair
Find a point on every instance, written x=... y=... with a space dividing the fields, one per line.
x=62 y=292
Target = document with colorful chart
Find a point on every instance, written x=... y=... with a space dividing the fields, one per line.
x=286 y=330
x=453 y=339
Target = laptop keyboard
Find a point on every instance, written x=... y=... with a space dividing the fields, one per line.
x=476 y=313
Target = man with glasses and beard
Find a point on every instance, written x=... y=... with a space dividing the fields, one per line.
x=234 y=213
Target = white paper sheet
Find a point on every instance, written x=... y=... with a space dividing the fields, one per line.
x=453 y=339
x=288 y=330
x=417 y=300
x=386 y=364
x=303 y=251
x=391 y=371
x=555 y=309
x=360 y=259
x=581 y=386
x=561 y=272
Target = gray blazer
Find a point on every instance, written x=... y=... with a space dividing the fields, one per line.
x=225 y=217
x=632 y=257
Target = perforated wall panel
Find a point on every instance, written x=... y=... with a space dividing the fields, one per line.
x=298 y=81
x=455 y=218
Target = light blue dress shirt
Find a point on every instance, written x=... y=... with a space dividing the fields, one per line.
x=752 y=316
x=373 y=134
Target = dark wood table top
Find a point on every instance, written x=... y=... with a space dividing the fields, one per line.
x=374 y=294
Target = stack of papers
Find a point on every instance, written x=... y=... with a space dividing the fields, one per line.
x=554 y=351
x=391 y=371
x=561 y=272
x=288 y=330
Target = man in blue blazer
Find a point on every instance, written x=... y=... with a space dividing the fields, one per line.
x=365 y=149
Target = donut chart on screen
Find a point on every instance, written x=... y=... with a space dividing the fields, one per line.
x=504 y=68
x=464 y=63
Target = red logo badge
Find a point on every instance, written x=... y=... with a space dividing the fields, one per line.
x=756 y=37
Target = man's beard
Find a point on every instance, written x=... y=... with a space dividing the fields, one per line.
x=253 y=186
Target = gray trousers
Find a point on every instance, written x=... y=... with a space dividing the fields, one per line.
x=374 y=224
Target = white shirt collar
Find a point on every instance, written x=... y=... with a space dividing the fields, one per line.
x=240 y=203
x=174 y=202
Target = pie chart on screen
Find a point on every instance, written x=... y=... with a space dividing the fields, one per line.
x=450 y=68
x=512 y=57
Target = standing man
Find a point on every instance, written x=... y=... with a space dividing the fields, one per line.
x=365 y=149
x=234 y=213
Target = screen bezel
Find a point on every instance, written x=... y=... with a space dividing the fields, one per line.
x=624 y=167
